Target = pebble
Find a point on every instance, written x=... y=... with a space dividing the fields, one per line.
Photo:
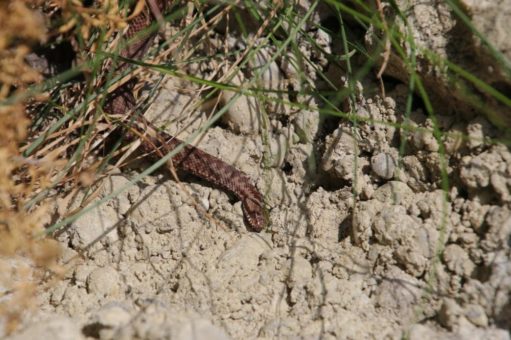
x=104 y=282
x=243 y=113
x=383 y=165
x=476 y=315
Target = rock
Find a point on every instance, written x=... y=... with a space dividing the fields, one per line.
x=306 y=123
x=243 y=113
x=96 y=224
x=383 y=165
x=341 y=158
x=476 y=314
x=105 y=283
x=449 y=314
x=278 y=150
x=266 y=69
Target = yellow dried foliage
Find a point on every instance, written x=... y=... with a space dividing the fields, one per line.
x=105 y=14
x=14 y=70
x=22 y=249
x=20 y=27
x=19 y=21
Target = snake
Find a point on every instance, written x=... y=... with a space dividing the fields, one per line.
x=156 y=143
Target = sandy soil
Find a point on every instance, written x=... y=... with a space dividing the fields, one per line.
x=363 y=241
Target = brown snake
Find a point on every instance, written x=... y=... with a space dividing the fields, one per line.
x=158 y=143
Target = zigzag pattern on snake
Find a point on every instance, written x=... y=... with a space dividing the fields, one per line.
x=157 y=143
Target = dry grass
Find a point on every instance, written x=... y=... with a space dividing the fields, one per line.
x=44 y=158
x=20 y=251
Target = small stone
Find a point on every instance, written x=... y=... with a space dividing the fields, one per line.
x=389 y=103
x=476 y=315
x=267 y=69
x=104 y=282
x=500 y=185
x=306 y=125
x=383 y=165
x=96 y=223
x=449 y=314
x=278 y=150
x=243 y=113
x=453 y=141
x=476 y=132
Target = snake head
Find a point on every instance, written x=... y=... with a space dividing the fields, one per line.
x=254 y=212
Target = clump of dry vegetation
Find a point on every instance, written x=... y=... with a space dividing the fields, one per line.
x=43 y=158
x=21 y=246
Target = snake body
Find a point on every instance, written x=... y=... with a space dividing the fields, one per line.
x=157 y=143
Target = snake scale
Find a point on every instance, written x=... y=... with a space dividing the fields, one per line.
x=157 y=143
